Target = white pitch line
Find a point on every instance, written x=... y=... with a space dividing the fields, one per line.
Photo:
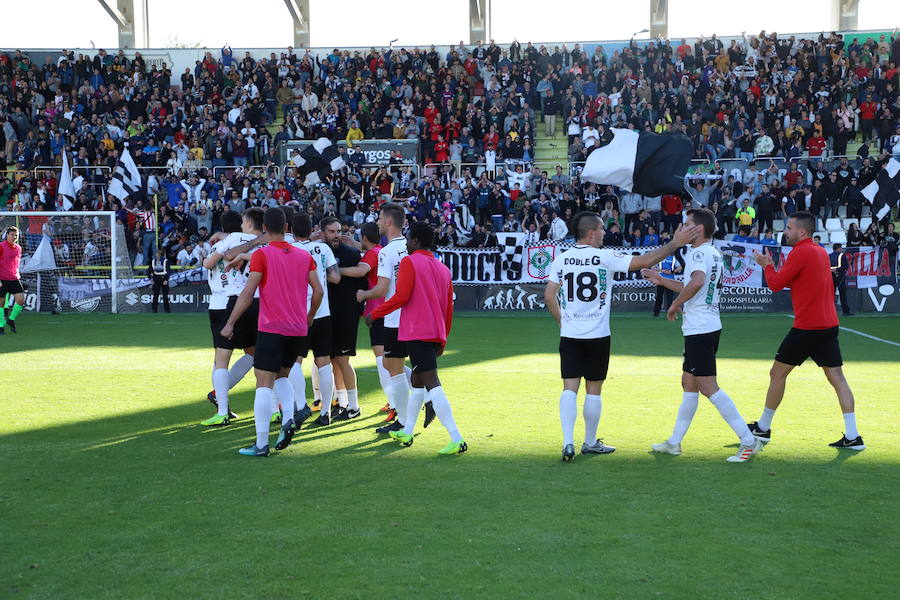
x=871 y=337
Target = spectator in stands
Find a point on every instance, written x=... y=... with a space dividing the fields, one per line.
x=746 y=214
x=769 y=238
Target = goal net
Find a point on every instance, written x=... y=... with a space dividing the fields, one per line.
x=72 y=261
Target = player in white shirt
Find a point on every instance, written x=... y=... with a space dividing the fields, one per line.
x=701 y=326
x=225 y=286
x=390 y=224
x=320 y=334
x=578 y=295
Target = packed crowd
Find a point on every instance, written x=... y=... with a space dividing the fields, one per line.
x=766 y=111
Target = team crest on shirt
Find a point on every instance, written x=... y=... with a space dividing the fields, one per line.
x=737 y=263
x=539 y=260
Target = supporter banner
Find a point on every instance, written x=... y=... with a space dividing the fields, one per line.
x=514 y=263
x=867 y=267
x=377 y=152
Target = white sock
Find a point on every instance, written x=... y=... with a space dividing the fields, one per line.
x=568 y=412
x=765 y=421
x=237 y=371
x=729 y=412
x=400 y=393
x=384 y=378
x=342 y=398
x=275 y=403
x=298 y=383
x=285 y=392
x=593 y=406
x=416 y=400
x=686 y=413
x=220 y=385
x=314 y=380
x=262 y=412
x=408 y=372
x=850 y=431
x=441 y=405
x=353 y=399
x=326 y=385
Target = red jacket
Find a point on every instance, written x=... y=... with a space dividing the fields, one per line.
x=807 y=271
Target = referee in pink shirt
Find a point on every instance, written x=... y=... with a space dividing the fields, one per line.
x=281 y=272
x=425 y=292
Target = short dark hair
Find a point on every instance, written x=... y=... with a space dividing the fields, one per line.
x=328 y=221
x=274 y=220
x=805 y=221
x=394 y=212
x=705 y=217
x=302 y=225
x=231 y=222
x=370 y=232
x=422 y=232
x=255 y=216
x=837 y=247
x=288 y=216
x=585 y=221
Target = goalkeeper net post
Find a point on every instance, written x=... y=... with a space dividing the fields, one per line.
x=71 y=261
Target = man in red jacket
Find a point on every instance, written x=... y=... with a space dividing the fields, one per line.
x=807 y=271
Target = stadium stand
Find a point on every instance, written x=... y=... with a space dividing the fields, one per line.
x=778 y=124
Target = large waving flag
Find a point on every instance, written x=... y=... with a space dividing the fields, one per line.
x=126 y=179
x=640 y=162
x=883 y=193
x=317 y=161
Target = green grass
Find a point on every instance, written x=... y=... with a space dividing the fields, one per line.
x=110 y=489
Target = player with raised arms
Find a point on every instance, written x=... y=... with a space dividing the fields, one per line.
x=699 y=298
x=284 y=275
x=578 y=295
x=225 y=287
x=424 y=291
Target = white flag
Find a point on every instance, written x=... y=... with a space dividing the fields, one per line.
x=66 y=184
x=126 y=179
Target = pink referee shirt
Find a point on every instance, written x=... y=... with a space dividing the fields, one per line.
x=10 y=254
x=282 y=291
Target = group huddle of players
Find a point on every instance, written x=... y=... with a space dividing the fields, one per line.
x=277 y=294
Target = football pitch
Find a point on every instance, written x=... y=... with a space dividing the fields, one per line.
x=109 y=487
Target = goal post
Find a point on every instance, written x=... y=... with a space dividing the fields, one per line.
x=73 y=261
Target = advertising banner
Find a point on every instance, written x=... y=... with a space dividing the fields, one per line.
x=377 y=152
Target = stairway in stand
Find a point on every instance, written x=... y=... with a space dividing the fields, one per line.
x=551 y=151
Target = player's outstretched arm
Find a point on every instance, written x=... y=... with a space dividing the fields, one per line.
x=551 y=300
x=379 y=291
x=247 y=246
x=657 y=279
x=360 y=270
x=683 y=236
x=317 y=294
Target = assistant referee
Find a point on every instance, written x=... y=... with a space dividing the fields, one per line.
x=807 y=271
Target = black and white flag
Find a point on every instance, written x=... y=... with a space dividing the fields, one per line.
x=884 y=192
x=126 y=179
x=68 y=186
x=635 y=161
x=512 y=246
x=317 y=161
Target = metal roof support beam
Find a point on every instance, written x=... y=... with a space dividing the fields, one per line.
x=659 y=18
x=845 y=15
x=123 y=16
x=299 y=10
x=479 y=21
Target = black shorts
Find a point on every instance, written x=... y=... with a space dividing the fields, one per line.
x=700 y=353
x=344 y=330
x=320 y=341
x=422 y=355
x=245 y=328
x=584 y=358
x=393 y=348
x=218 y=317
x=376 y=333
x=821 y=345
x=275 y=351
x=10 y=286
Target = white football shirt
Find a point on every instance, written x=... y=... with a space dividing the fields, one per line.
x=389 y=259
x=324 y=257
x=222 y=284
x=701 y=313
x=585 y=276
